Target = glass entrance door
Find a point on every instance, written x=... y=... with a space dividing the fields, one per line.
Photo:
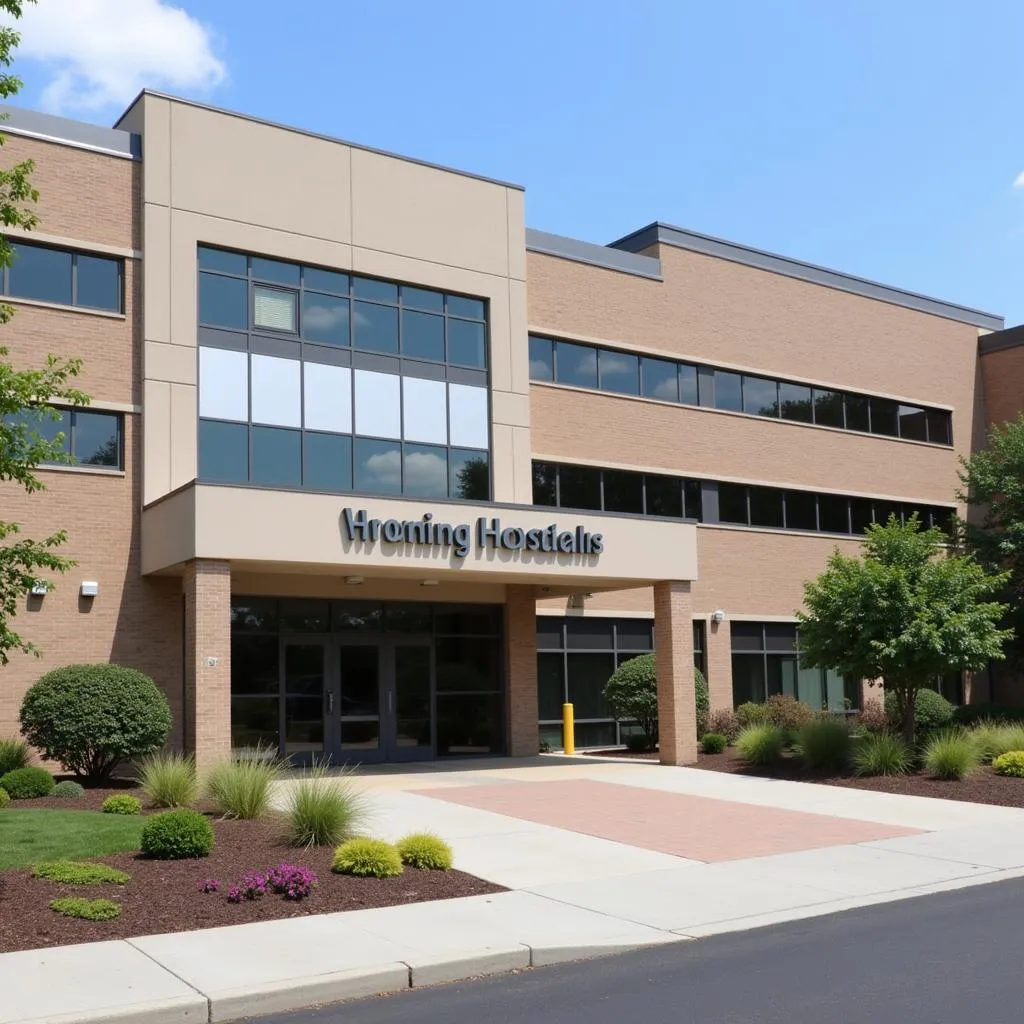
x=381 y=705
x=304 y=677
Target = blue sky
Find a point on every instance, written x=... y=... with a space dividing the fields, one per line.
x=879 y=138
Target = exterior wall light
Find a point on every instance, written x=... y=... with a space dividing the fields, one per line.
x=354 y=581
x=718 y=615
x=429 y=583
x=39 y=590
x=90 y=588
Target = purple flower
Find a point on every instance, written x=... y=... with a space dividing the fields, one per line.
x=292 y=882
x=235 y=894
x=208 y=885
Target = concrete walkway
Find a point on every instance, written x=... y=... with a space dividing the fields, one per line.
x=600 y=856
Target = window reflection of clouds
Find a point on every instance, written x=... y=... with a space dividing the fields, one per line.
x=426 y=472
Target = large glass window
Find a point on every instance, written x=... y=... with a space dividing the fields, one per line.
x=79 y=437
x=48 y=274
x=382 y=387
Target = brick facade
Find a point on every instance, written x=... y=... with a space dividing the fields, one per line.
x=521 y=670
x=673 y=647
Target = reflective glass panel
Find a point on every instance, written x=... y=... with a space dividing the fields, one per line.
x=96 y=439
x=542 y=360
x=467 y=343
x=660 y=379
x=795 y=402
x=376 y=327
x=422 y=335
x=470 y=475
x=325 y=319
x=576 y=364
x=425 y=473
x=98 y=283
x=378 y=466
x=327 y=465
x=276 y=457
x=40 y=273
x=728 y=391
x=619 y=372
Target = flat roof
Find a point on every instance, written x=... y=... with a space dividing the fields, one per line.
x=63 y=130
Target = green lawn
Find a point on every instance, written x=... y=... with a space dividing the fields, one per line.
x=29 y=836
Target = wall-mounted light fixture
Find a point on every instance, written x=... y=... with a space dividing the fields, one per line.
x=718 y=615
x=429 y=583
x=354 y=581
x=90 y=588
x=39 y=589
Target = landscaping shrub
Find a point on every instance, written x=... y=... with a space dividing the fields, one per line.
x=122 y=803
x=177 y=835
x=752 y=714
x=724 y=721
x=761 y=744
x=14 y=753
x=881 y=753
x=872 y=717
x=367 y=857
x=5 y=798
x=90 y=717
x=252 y=886
x=68 y=790
x=27 y=783
x=992 y=738
x=967 y=714
x=322 y=809
x=632 y=696
x=1010 y=763
x=637 y=743
x=425 y=850
x=788 y=713
x=932 y=711
x=71 y=872
x=169 y=780
x=291 y=881
x=714 y=742
x=825 y=745
x=950 y=755
x=90 y=910
x=240 y=788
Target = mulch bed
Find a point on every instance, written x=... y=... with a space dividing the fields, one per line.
x=981 y=787
x=90 y=800
x=162 y=896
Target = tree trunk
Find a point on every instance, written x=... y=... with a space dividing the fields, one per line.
x=906 y=705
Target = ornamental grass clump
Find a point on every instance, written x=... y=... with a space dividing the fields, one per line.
x=27 y=783
x=68 y=790
x=881 y=753
x=426 y=851
x=14 y=753
x=241 y=787
x=825 y=745
x=122 y=803
x=368 y=858
x=89 y=910
x=72 y=872
x=951 y=755
x=5 y=798
x=322 y=809
x=714 y=742
x=761 y=744
x=992 y=739
x=177 y=835
x=169 y=780
x=1011 y=763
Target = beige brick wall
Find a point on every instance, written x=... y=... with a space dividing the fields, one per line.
x=521 y=670
x=673 y=645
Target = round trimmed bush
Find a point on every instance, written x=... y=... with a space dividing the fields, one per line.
x=752 y=713
x=761 y=744
x=177 y=835
x=90 y=717
x=367 y=857
x=1010 y=763
x=122 y=803
x=5 y=798
x=27 y=783
x=931 y=711
x=426 y=851
x=68 y=790
x=714 y=742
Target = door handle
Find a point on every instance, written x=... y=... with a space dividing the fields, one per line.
x=330 y=702
x=391 y=701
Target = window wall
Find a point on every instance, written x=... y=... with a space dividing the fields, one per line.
x=630 y=373
x=312 y=378
x=575 y=658
x=765 y=663
x=46 y=273
x=562 y=485
x=84 y=437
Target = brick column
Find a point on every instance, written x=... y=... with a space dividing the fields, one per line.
x=673 y=648
x=719 y=661
x=521 y=710
x=207 y=710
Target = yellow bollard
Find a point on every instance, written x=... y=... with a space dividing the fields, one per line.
x=568 y=730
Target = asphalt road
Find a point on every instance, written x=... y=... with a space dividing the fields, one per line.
x=954 y=957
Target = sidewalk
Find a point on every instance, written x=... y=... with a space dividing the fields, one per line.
x=575 y=892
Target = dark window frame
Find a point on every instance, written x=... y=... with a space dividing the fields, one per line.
x=117 y=261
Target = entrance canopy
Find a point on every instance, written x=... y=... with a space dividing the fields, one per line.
x=294 y=532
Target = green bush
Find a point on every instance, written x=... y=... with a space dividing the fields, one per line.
x=714 y=742
x=14 y=753
x=122 y=803
x=5 y=798
x=71 y=872
x=90 y=910
x=825 y=745
x=241 y=787
x=177 y=835
x=425 y=850
x=761 y=744
x=367 y=857
x=950 y=755
x=788 y=713
x=967 y=714
x=881 y=753
x=751 y=713
x=1011 y=763
x=27 y=783
x=322 y=809
x=68 y=790
x=932 y=711
x=724 y=721
x=992 y=738
x=169 y=780
x=632 y=696
x=637 y=743
x=91 y=717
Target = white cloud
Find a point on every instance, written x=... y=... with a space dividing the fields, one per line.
x=1019 y=181
x=102 y=52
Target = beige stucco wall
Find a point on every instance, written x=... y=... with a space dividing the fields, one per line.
x=222 y=179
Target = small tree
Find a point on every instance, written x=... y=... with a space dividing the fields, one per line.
x=904 y=613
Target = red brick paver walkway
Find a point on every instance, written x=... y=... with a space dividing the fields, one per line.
x=695 y=827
